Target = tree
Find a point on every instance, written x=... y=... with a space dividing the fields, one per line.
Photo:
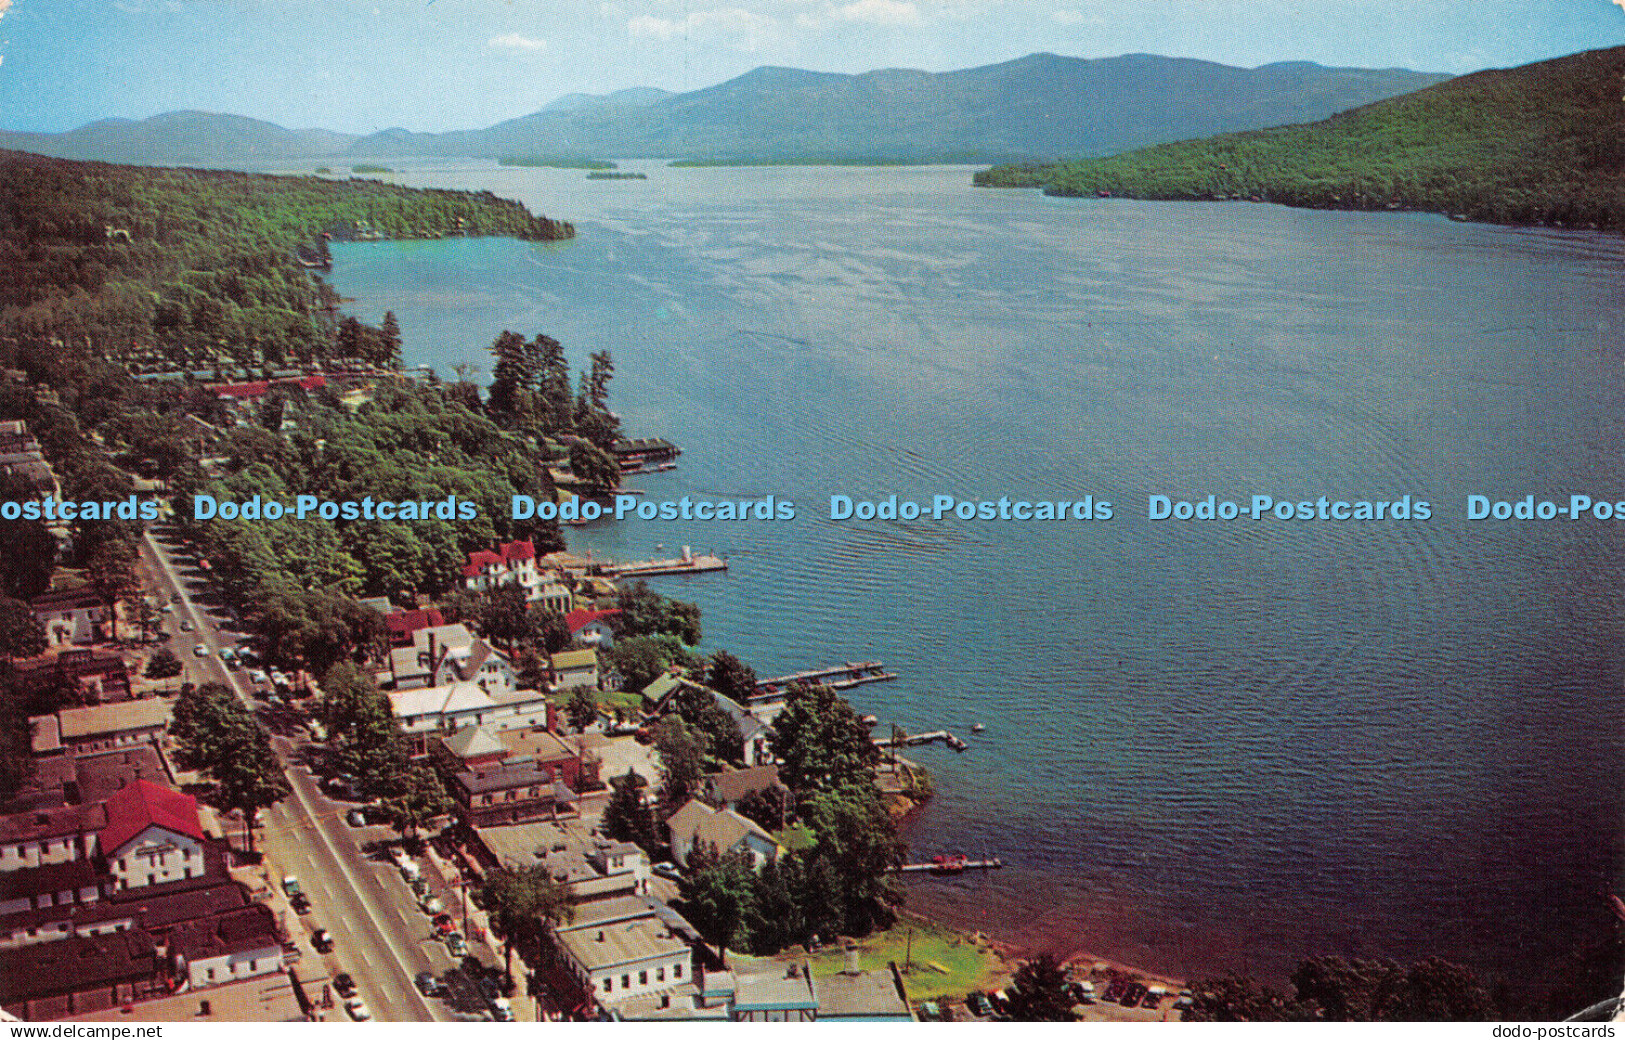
x=215 y=734
x=857 y=838
x=681 y=757
x=20 y=632
x=769 y=807
x=708 y=721
x=110 y=569
x=420 y=798
x=1236 y=998
x=164 y=665
x=364 y=738
x=626 y=817
x=390 y=338
x=641 y=660
x=29 y=560
x=594 y=466
x=718 y=895
x=582 y=709
x=1038 y=993
x=644 y=612
x=731 y=677
x=520 y=899
x=821 y=742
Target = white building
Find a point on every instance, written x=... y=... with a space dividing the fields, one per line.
x=626 y=947
x=444 y=654
x=152 y=836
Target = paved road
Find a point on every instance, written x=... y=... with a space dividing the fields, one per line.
x=379 y=936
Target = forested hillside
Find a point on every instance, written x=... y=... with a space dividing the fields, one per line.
x=1538 y=144
x=189 y=269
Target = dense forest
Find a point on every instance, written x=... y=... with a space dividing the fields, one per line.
x=1538 y=144
x=173 y=269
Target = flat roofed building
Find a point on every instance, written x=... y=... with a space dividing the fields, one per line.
x=626 y=947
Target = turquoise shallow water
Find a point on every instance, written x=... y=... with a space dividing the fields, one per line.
x=1206 y=744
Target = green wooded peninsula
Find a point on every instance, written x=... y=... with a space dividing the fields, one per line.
x=1541 y=144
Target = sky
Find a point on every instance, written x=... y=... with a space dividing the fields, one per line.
x=360 y=66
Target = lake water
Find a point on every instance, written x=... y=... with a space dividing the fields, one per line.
x=1207 y=745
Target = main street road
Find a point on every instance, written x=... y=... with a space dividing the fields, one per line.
x=379 y=936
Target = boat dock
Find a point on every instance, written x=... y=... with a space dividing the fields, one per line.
x=836 y=677
x=951 y=865
x=688 y=563
x=936 y=736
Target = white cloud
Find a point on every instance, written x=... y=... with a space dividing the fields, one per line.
x=732 y=24
x=516 y=42
x=880 y=12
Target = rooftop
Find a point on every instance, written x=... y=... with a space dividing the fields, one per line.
x=80 y=723
x=144 y=804
x=627 y=941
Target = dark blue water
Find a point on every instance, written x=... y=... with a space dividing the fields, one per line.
x=1207 y=745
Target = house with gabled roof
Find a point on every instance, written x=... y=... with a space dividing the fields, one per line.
x=152 y=836
x=592 y=627
x=723 y=830
x=442 y=654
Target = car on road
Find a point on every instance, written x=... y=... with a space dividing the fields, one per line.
x=455 y=945
x=501 y=1010
x=431 y=905
x=668 y=871
x=186 y=626
x=300 y=903
x=444 y=924
x=344 y=984
x=200 y=651
x=290 y=885
x=356 y=818
x=429 y=984
x=322 y=939
x=358 y=1009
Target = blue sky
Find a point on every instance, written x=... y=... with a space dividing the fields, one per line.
x=431 y=65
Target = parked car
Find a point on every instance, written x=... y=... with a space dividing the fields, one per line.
x=290 y=885
x=978 y=1004
x=258 y=677
x=186 y=626
x=455 y=945
x=431 y=905
x=501 y=1010
x=322 y=939
x=300 y=903
x=200 y=651
x=356 y=818
x=429 y=984
x=668 y=871
x=344 y=984
x=358 y=1009
x=444 y=924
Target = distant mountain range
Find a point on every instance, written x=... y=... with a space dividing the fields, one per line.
x=1038 y=107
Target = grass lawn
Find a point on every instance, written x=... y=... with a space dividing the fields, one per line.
x=940 y=962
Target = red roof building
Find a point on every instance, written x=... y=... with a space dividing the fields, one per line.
x=257 y=389
x=144 y=804
x=402 y=623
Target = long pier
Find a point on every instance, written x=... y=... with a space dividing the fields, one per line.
x=836 y=677
x=688 y=563
x=916 y=739
x=949 y=865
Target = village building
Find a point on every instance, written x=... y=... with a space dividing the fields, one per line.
x=510 y=776
x=81 y=974
x=443 y=654
x=727 y=790
x=589 y=866
x=73 y=616
x=444 y=709
x=573 y=668
x=591 y=627
x=152 y=836
x=629 y=947
x=90 y=676
x=103 y=727
x=227 y=947
x=723 y=831
x=35 y=839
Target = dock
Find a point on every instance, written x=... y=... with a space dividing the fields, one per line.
x=947 y=865
x=836 y=677
x=688 y=563
x=938 y=736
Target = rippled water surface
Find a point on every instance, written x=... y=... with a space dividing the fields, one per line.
x=1207 y=745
